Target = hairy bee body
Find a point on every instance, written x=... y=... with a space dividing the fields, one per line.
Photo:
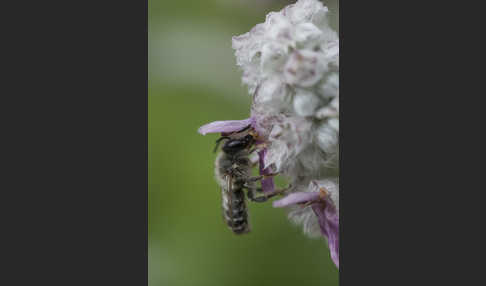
x=232 y=172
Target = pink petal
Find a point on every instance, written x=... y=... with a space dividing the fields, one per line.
x=326 y=213
x=224 y=126
x=329 y=223
x=267 y=184
x=296 y=198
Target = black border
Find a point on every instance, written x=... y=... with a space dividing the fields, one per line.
x=402 y=189
x=76 y=170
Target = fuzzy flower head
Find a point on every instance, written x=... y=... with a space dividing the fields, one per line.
x=290 y=64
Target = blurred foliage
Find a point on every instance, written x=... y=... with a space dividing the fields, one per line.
x=193 y=79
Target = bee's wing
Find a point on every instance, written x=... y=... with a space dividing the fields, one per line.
x=227 y=203
x=229 y=183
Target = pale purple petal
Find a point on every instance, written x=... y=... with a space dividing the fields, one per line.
x=296 y=198
x=224 y=126
x=267 y=184
x=326 y=213
x=258 y=119
x=328 y=219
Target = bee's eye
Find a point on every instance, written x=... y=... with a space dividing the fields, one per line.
x=248 y=138
x=235 y=145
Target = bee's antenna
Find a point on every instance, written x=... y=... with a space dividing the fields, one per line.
x=219 y=141
x=244 y=129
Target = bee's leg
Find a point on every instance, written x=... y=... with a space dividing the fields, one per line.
x=265 y=197
x=251 y=196
x=254 y=179
x=270 y=175
x=260 y=190
x=275 y=192
x=259 y=178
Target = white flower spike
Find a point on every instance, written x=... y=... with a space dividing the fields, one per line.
x=290 y=64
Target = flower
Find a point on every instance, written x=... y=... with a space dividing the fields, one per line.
x=316 y=209
x=226 y=126
x=290 y=64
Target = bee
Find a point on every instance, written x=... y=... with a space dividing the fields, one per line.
x=233 y=173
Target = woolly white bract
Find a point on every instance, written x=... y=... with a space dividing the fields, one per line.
x=291 y=66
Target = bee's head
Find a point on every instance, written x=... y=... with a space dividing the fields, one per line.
x=233 y=146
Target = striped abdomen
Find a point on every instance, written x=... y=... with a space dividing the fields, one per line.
x=235 y=212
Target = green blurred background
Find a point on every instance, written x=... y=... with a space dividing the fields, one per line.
x=193 y=79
